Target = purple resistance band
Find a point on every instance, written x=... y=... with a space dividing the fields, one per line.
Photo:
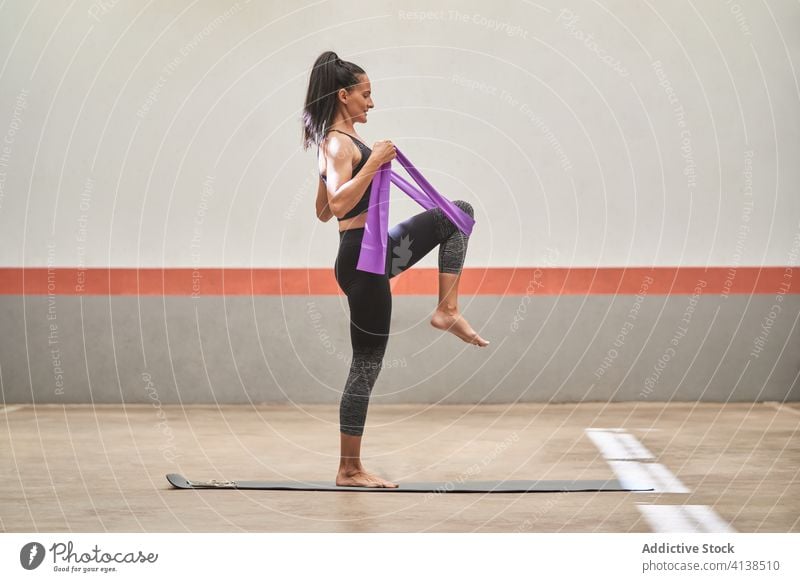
x=372 y=257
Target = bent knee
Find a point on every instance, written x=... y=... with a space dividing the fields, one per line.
x=465 y=206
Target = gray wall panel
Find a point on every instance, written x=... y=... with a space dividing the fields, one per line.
x=283 y=349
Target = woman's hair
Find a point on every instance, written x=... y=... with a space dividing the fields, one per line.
x=329 y=74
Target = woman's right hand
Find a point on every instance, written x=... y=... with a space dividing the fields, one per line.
x=384 y=151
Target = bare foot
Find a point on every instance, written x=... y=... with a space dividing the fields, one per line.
x=454 y=323
x=360 y=478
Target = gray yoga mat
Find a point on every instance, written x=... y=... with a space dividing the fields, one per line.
x=541 y=486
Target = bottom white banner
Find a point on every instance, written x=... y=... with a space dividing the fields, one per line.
x=393 y=556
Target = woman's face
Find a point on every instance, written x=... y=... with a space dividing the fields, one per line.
x=358 y=100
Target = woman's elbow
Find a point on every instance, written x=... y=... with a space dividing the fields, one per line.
x=324 y=213
x=334 y=210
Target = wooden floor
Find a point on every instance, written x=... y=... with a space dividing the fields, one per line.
x=101 y=468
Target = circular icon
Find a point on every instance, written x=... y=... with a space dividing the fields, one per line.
x=31 y=555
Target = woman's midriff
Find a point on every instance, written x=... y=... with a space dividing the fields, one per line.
x=356 y=222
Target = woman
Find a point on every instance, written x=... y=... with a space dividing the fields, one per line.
x=339 y=95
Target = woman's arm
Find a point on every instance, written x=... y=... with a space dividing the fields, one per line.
x=344 y=190
x=323 y=209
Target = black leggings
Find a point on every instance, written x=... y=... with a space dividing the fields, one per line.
x=370 y=298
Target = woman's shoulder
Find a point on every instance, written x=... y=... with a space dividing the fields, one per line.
x=335 y=145
x=334 y=142
x=346 y=138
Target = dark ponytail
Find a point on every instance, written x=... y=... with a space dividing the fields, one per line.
x=329 y=74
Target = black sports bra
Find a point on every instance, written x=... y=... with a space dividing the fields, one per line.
x=362 y=204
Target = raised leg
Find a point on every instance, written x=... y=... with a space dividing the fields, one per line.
x=447 y=316
x=414 y=238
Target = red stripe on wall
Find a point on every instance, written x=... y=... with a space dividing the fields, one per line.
x=418 y=281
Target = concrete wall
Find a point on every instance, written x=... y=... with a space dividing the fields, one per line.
x=654 y=142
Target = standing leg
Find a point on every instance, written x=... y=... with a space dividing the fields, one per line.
x=370 y=300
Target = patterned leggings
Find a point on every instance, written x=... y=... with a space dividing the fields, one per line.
x=370 y=299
